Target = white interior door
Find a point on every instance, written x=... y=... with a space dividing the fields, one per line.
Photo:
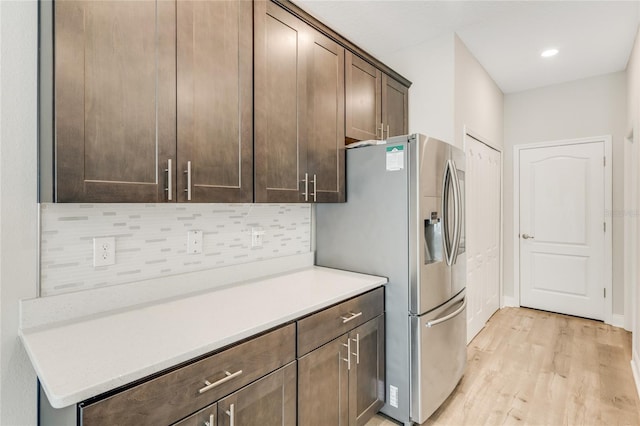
x=483 y=234
x=562 y=235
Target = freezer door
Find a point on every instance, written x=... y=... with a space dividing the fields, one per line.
x=430 y=225
x=438 y=356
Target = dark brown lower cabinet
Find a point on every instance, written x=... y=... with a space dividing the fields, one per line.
x=181 y=392
x=323 y=385
x=208 y=416
x=270 y=401
x=366 y=382
x=342 y=382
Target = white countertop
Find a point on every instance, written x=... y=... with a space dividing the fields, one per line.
x=80 y=359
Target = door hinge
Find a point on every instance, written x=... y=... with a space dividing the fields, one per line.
x=604 y=161
x=605 y=292
x=604 y=226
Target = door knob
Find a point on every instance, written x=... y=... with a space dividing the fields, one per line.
x=526 y=237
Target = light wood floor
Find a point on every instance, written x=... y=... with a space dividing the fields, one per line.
x=538 y=368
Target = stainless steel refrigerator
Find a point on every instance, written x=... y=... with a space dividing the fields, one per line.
x=404 y=219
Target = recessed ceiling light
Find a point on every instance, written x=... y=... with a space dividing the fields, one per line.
x=549 y=53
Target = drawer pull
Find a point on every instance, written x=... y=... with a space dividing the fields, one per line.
x=348 y=358
x=357 y=352
x=228 y=377
x=211 y=421
x=353 y=316
x=231 y=412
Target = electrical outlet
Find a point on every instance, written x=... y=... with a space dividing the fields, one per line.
x=393 y=396
x=194 y=242
x=104 y=251
x=257 y=235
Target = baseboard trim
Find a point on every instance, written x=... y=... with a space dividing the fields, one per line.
x=508 y=301
x=617 y=320
x=636 y=371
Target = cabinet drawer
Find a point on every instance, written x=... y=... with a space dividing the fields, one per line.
x=178 y=393
x=321 y=327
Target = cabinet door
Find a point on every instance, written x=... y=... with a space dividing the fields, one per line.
x=395 y=107
x=280 y=100
x=205 y=417
x=367 y=382
x=323 y=385
x=363 y=103
x=215 y=100
x=270 y=401
x=325 y=119
x=114 y=99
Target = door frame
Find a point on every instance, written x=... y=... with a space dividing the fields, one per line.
x=467 y=132
x=608 y=203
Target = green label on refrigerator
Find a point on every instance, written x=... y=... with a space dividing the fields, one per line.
x=395 y=158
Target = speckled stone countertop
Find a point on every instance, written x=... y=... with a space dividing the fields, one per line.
x=85 y=357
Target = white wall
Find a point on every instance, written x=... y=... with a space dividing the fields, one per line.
x=430 y=67
x=590 y=107
x=18 y=208
x=479 y=102
x=632 y=123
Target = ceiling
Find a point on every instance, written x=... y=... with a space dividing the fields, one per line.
x=507 y=37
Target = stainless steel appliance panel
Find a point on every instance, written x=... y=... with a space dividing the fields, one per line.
x=368 y=234
x=398 y=216
x=438 y=356
x=430 y=275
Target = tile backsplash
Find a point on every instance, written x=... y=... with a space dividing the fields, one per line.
x=151 y=240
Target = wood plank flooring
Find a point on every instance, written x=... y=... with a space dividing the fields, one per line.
x=539 y=368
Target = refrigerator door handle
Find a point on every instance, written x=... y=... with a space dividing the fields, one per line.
x=457 y=212
x=447 y=182
x=448 y=317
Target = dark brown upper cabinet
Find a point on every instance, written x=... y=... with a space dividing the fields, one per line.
x=395 y=107
x=114 y=100
x=376 y=104
x=215 y=101
x=153 y=101
x=299 y=110
x=364 y=99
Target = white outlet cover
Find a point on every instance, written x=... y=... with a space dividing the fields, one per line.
x=194 y=242
x=104 y=251
x=257 y=235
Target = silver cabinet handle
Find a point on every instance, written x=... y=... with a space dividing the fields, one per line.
x=388 y=135
x=315 y=191
x=357 y=352
x=169 y=187
x=447 y=317
x=306 y=186
x=188 y=172
x=228 y=376
x=348 y=358
x=211 y=421
x=381 y=131
x=349 y=318
x=526 y=237
x=231 y=412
